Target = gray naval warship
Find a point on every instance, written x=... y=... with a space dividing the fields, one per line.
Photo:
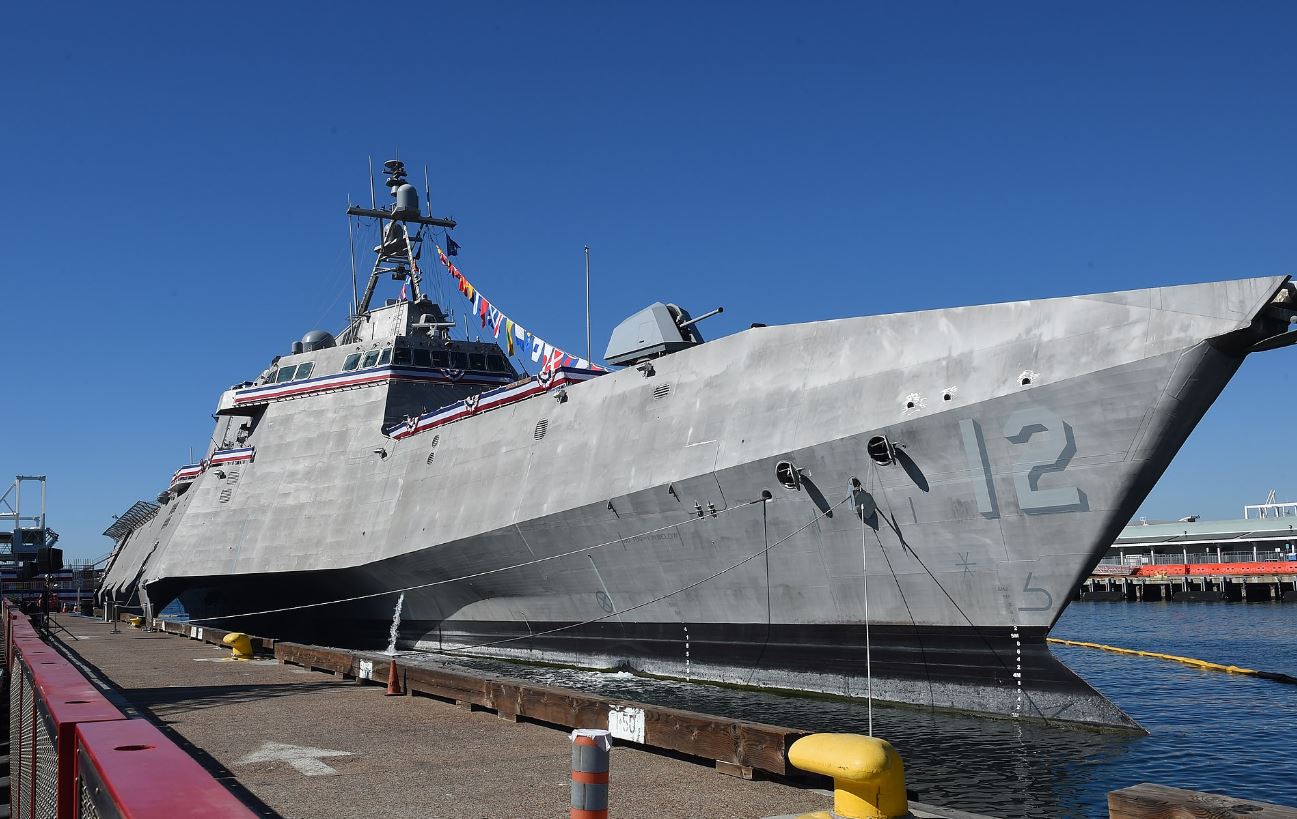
x=905 y=502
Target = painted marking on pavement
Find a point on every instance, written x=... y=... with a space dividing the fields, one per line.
x=305 y=760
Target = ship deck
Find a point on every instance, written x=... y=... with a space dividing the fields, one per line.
x=294 y=742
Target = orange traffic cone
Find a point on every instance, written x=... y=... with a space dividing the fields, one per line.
x=393 y=680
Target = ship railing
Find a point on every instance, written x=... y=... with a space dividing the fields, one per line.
x=74 y=755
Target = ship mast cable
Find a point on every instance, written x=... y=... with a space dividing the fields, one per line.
x=923 y=653
x=351 y=240
x=869 y=667
x=660 y=598
x=976 y=629
x=484 y=572
x=765 y=645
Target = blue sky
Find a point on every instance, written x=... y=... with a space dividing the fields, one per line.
x=174 y=176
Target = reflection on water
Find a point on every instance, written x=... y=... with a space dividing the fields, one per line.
x=1209 y=731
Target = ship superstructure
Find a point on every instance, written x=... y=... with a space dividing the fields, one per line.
x=711 y=511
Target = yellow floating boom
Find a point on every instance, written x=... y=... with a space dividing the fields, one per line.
x=1232 y=669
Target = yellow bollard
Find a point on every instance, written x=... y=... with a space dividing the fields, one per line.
x=868 y=774
x=240 y=643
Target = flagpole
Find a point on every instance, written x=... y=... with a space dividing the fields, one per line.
x=587 y=305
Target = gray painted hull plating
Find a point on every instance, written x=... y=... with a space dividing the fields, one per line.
x=1027 y=435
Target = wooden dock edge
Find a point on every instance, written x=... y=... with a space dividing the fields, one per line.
x=737 y=747
x=207 y=634
x=1148 y=801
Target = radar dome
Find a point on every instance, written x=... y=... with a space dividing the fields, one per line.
x=317 y=340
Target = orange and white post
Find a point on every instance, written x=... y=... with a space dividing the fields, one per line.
x=590 y=773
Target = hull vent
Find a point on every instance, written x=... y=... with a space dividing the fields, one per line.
x=541 y=427
x=226 y=494
x=431 y=455
x=436 y=439
x=661 y=390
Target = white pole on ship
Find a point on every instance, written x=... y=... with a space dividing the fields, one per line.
x=587 y=305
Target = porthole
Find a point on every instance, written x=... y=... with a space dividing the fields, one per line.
x=787 y=475
x=1026 y=379
x=881 y=450
x=541 y=427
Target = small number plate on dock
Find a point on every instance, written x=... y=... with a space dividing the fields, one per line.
x=626 y=723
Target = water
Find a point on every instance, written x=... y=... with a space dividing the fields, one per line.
x=396 y=626
x=174 y=611
x=1209 y=731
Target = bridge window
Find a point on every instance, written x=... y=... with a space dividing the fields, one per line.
x=351 y=363
x=284 y=374
x=386 y=356
x=459 y=361
x=440 y=358
x=477 y=361
x=371 y=358
x=304 y=370
x=497 y=363
x=401 y=355
x=422 y=358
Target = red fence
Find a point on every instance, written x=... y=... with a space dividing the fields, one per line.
x=74 y=755
x=1215 y=569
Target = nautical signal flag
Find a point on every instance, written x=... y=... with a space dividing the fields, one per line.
x=515 y=334
x=452 y=247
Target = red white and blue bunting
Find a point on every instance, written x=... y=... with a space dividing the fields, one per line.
x=189 y=473
x=491 y=399
x=363 y=378
x=232 y=456
x=517 y=340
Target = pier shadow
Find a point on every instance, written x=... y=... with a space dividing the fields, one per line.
x=125 y=701
x=166 y=701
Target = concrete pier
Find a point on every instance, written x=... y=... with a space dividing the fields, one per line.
x=296 y=742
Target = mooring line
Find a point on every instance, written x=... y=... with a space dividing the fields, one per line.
x=475 y=575
x=1231 y=669
x=660 y=598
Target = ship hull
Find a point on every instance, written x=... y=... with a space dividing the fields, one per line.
x=662 y=538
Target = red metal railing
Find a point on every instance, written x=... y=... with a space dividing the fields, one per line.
x=1215 y=569
x=73 y=754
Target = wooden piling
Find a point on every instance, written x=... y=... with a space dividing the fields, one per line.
x=737 y=746
x=1148 y=801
